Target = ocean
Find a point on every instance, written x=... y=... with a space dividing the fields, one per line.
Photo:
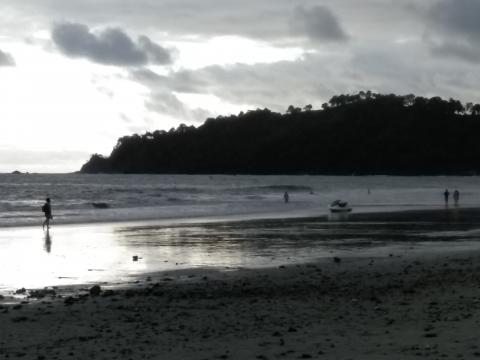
x=173 y=198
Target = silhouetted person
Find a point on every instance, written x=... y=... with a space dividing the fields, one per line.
x=456 y=196
x=286 y=197
x=47 y=210
x=446 y=194
x=48 y=242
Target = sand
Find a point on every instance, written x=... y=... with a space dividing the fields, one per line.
x=406 y=306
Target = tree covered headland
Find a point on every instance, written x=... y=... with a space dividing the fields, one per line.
x=365 y=133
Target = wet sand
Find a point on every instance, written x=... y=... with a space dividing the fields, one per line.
x=103 y=253
x=409 y=304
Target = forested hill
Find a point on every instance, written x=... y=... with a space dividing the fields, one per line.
x=365 y=133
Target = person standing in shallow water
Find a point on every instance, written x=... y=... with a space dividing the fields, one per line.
x=456 y=197
x=286 y=197
x=445 y=195
x=47 y=210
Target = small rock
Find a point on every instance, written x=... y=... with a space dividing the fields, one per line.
x=130 y=293
x=69 y=301
x=337 y=259
x=108 y=293
x=100 y=205
x=42 y=293
x=95 y=290
x=21 y=291
x=19 y=319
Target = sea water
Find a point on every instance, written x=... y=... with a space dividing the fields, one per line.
x=188 y=197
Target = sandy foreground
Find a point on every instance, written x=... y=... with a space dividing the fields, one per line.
x=397 y=307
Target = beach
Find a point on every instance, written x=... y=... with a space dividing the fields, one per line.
x=397 y=307
x=409 y=299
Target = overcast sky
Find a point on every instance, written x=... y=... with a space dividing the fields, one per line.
x=76 y=75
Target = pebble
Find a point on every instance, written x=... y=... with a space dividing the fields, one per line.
x=95 y=290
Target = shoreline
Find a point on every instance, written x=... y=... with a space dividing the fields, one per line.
x=324 y=238
x=297 y=214
x=394 y=307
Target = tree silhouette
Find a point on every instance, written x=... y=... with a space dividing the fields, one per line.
x=364 y=133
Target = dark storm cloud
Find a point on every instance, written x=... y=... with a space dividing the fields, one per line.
x=455 y=29
x=318 y=23
x=6 y=59
x=155 y=53
x=458 y=16
x=268 y=19
x=110 y=46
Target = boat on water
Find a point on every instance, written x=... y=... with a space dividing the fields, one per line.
x=339 y=206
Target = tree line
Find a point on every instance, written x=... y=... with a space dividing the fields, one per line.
x=364 y=133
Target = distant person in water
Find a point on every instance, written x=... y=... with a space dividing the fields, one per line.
x=286 y=197
x=456 y=196
x=446 y=194
x=47 y=210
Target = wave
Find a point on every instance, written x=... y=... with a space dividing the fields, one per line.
x=278 y=188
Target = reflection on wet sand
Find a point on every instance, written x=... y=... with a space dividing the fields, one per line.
x=339 y=216
x=104 y=252
x=47 y=245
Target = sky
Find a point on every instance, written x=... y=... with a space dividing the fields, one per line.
x=76 y=75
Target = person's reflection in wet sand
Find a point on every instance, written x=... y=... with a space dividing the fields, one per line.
x=47 y=245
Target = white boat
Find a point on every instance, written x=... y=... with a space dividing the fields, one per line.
x=339 y=206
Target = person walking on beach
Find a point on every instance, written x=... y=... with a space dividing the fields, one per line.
x=286 y=197
x=446 y=195
x=456 y=197
x=47 y=210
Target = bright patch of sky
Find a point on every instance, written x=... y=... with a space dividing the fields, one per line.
x=225 y=50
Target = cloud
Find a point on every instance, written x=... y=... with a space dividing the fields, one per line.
x=167 y=103
x=315 y=78
x=273 y=85
x=6 y=59
x=110 y=46
x=265 y=20
x=318 y=23
x=457 y=16
x=455 y=29
x=155 y=53
x=163 y=99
